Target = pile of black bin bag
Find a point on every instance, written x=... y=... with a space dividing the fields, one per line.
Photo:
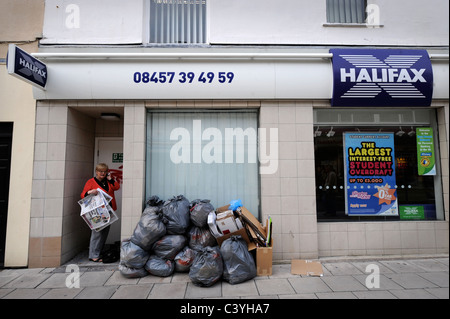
x=173 y=236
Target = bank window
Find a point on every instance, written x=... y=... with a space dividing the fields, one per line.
x=177 y=21
x=203 y=155
x=346 y=11
x=415 y=195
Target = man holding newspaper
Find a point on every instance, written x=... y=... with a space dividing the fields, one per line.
x=103 y=182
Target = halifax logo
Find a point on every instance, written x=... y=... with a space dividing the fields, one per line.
x=376 y=77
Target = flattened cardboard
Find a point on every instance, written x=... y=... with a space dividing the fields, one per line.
x=306 y=267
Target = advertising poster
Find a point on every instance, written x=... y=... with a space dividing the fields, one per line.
x=370 y=174
x=425 y=151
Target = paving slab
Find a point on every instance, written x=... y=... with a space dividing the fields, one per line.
x=440 y=279
x=102 y=292
x=26 y=293
x=95 y=278
x=247 y=288
x=401 y=266
x=274 y=287
x=309 y=285
x=132 y=292
x=342 y=268
x=440 y=293
x=411 y=281
x=343 y=283
x=429 y=265
x=336 y=295
x=194 y=291
x=168 y=291
x=412 y=294
x=27 y=281
x=61 y=293
x=374 y=294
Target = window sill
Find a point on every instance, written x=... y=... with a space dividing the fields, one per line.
x=352 y=25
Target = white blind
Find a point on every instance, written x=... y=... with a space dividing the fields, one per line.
x=346 y=11
x=204 y=168
x=178 y=21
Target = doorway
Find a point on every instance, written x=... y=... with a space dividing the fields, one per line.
x=6 y=130
x=109 y=150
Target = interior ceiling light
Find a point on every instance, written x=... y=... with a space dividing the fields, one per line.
x=400 y=133
x=331 y=133
x=110 y=116
x=317 y=133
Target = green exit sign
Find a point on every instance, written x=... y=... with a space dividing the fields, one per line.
x=117 y=157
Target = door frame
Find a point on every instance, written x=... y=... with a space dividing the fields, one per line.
x=96 y=156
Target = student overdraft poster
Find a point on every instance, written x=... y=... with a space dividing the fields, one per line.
x=370 y=186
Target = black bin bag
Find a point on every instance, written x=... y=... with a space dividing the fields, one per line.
x=184 y=259
x=132 y=255
x=201 y=237
x=176 y=215
x=238 y=263
x=207 y=268
x=149 y=228
x=159 y=267
x=169 y=246
x=199 y=211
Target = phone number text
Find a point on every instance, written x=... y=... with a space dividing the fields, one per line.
x=183 y=77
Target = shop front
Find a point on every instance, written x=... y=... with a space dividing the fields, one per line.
x=260 y=127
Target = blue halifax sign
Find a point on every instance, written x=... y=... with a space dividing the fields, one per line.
x=381 y=77
x=22 y=65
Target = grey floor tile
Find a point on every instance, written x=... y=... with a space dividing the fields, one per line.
x=309 y=285
x=401 y=266
x=336 y=295
x=95 y=278
x=27 y=281
x=274 y=287
x=247 y=288
x=429 y=265
x=168 y=291
x=440 y=279
x=440 y=293
x=61 y=293
x=343 y=283
x=194 y=291
x=374 y=294
x=413 y=294
x=26 y=293
x=411 y=281
x=103 y=292
x=132 y=292
x=342 y=268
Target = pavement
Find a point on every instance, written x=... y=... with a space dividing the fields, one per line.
x=421 y=277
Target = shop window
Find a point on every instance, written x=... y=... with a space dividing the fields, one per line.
x=346 y=11
x=203 y=155
x=419 y=197
x=177 y=21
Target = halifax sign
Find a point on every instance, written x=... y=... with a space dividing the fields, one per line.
x=381 y=77
x=25 y=67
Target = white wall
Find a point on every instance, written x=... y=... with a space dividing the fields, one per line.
x=405 y=22
x=294 y=22
x=93 y=22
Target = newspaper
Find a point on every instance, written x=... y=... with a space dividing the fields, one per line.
x=96 y=211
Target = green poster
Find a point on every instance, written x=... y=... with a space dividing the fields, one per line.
x=425 y=151
x=412 y=212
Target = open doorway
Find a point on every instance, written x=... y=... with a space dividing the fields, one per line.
x=109 y=150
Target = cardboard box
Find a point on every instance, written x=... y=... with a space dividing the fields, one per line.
x=263 y=254
x=264 y=260
x=306 y=267
x=225 y=222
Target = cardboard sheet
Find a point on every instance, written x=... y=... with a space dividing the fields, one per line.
x=306 y=267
